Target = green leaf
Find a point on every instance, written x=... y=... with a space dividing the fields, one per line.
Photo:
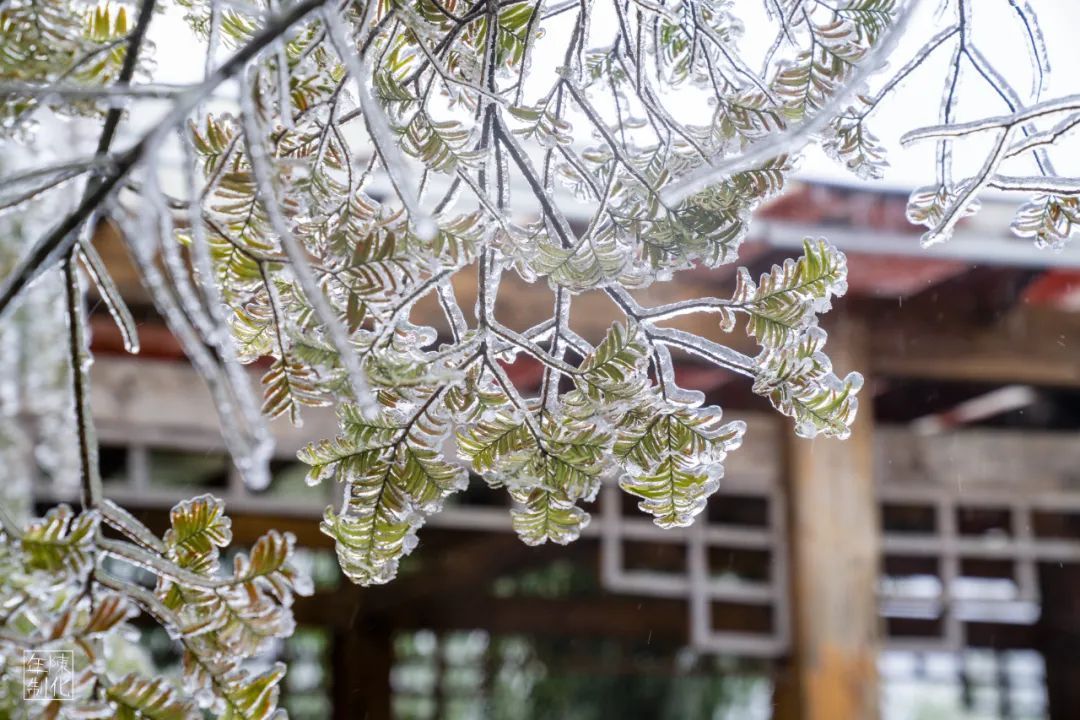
x=673 y=459
x=394 y=474
x=806 y=83
x=597 y=258
x=288 y=385
x=799 y=382
x=871 y=16
x=442 y=146
x=541 y=124
x=611 y=378
x=787 y=299
x=748 y=116
x=199 y=528
x=137 y=697
x=60 y=542
x=253 y=697
x=496 y=441
x=544 y=515
x=711 y=224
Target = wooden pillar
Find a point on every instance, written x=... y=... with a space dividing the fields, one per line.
x=1059 y=638
x=363 y=656
x=834 y=536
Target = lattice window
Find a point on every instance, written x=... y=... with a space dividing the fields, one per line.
x=974 y=684
x=735 y=568
x=956 y=555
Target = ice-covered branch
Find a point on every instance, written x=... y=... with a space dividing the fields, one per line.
x=793 y=139
x=1047 y=108
x=59 y=241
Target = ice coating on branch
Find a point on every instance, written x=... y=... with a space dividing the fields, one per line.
x=263 y=442
x=219 y=618
x=245 y=446
x=301 y=271
x=377 y=124
x=1031 y=126
x=302 y=239
x=110 y=294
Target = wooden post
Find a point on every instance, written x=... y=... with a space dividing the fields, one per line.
x=362 y=658
x=1059 y=637
x=833 y=530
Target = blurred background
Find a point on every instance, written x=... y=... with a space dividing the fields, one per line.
x=931 y=562
x=928 y=566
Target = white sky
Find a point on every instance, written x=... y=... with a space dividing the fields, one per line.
x=998 y=32
x=996 y=29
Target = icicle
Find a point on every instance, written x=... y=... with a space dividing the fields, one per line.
x=490 y=277
x=284 y=94
x=338 y=335
x=453 y=311
x=253 y=462
x=502 y=174
x=245 y=451
x=382 y=137
x=946 y=113
x=666 y=371
x=81 y=361
x=114 y=301
x=213 y=39
x=174 y=262
x=550 y=389
x=263 y=448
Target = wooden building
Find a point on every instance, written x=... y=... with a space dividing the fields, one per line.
x=835 y=574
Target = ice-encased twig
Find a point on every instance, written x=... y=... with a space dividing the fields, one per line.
x=382 y=137
x=793 y=139
x=126 y=523
x=81 y=360
x=1067 y=103
x=1036 y=184
x=970 y=188
x=242 y=443
x=56 y=244
x=263 y=447
x=114 y=301
x=298 y=258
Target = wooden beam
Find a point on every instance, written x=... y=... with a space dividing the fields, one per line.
x=642 y=620
x=1031 y=345
x=635 y=619
x=834 y=548
x=456 y=564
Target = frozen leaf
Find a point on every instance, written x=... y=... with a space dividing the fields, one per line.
x=60 y=542
x=1049 y=219
x=393 y=473
x=673 y=459
x=787 y=299
x=137 y=697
